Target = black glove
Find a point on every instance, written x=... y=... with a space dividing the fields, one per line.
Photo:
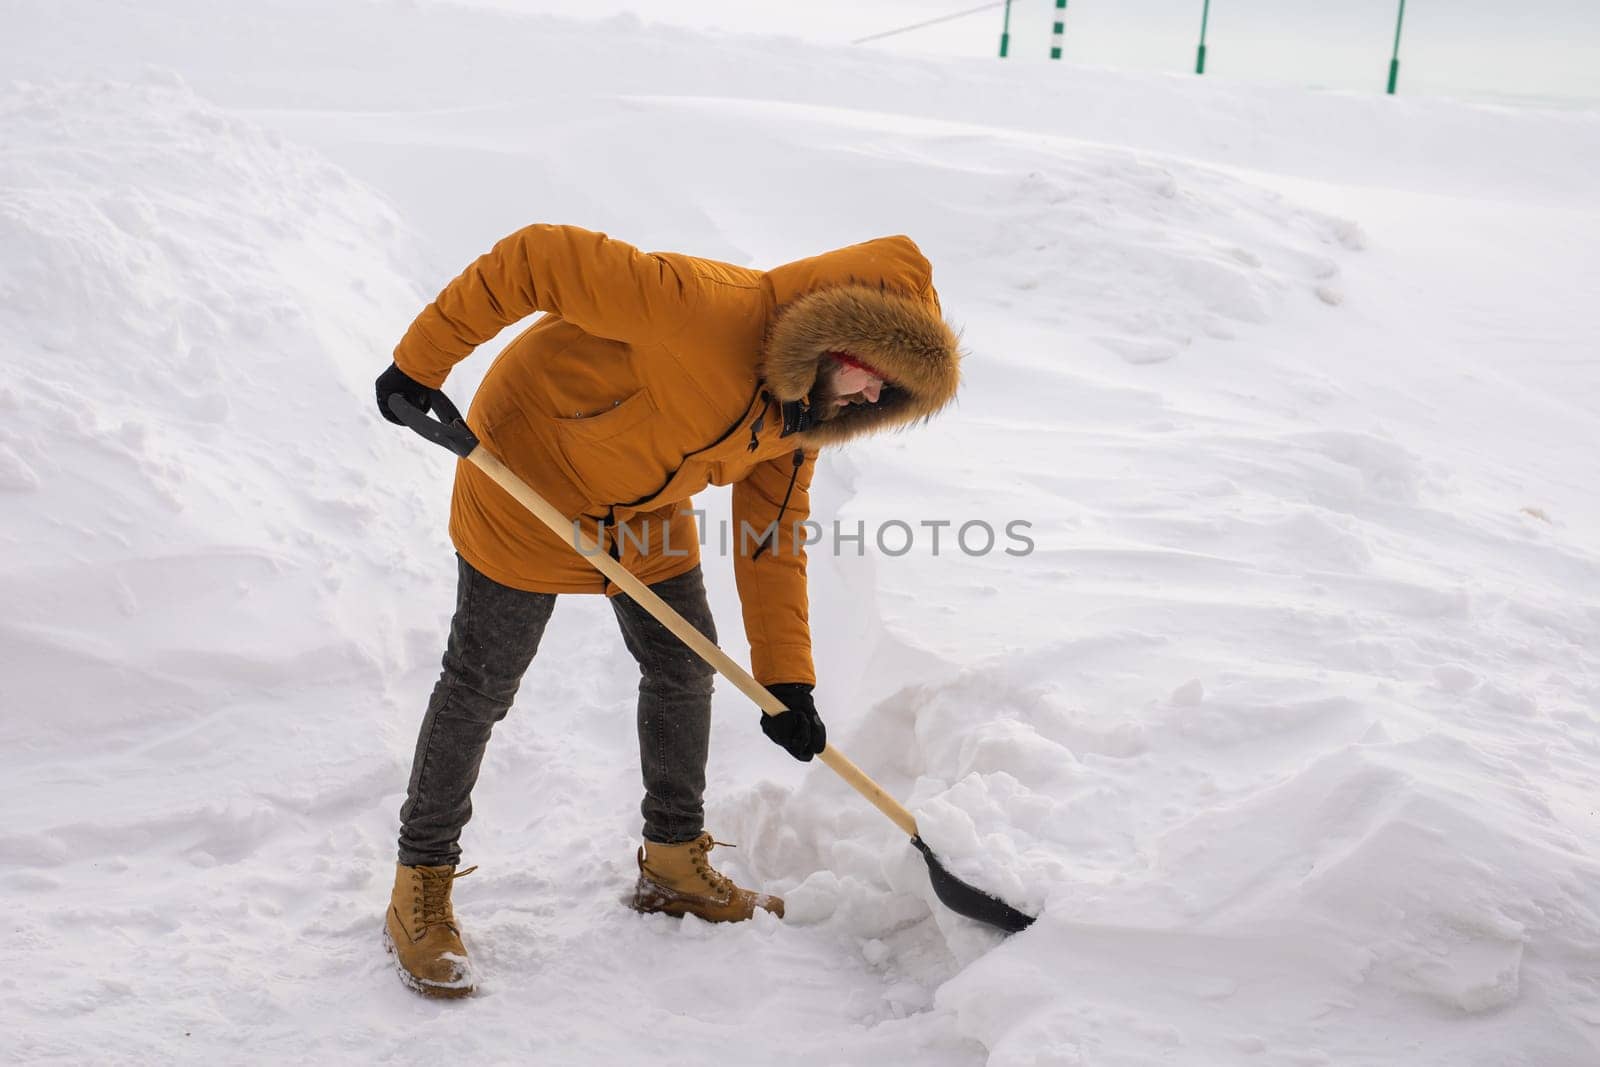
x=394 y=380
x=800 y=729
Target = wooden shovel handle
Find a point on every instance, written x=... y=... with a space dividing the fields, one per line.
x=725 y=665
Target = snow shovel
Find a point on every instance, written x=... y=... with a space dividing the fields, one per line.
x=450 y=430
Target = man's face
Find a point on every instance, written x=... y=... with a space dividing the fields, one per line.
x=852 y=385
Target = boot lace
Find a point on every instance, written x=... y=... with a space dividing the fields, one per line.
x=431 y=897
x=697 y=853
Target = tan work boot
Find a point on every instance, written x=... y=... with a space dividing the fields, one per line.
x=679 y=880
x=422 y=934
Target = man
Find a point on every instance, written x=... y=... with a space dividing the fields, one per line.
x=649 y=377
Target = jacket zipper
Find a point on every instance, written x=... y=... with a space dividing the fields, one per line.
x=729 y=432
x=761 y=420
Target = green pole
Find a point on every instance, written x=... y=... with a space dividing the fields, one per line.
x=1394 y=62
x=1200 y=57
x=1005 y=32
x=1059 y=30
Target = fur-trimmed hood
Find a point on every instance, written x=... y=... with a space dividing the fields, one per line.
x=891 y=322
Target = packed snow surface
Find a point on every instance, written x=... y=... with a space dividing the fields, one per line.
x=1283 y=714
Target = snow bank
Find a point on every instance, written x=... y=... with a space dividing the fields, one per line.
x=193 y=531
x=186 y=297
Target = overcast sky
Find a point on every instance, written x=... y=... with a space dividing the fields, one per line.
x=1514 y=48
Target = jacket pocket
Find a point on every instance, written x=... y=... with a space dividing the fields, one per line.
x=614 y=453
x=528 y=448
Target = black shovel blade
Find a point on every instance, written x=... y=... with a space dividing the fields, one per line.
x=969 y=900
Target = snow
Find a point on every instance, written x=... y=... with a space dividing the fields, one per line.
x=1286 y=726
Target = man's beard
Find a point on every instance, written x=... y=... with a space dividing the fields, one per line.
x=823 y=401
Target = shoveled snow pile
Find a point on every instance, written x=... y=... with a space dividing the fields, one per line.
x=1272 y=686
x=187 y=298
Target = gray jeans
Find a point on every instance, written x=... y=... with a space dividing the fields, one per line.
x=493 y=637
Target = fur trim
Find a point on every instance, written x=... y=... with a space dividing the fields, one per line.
x=900 y=335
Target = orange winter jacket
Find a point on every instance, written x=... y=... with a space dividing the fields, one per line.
x=651 y=376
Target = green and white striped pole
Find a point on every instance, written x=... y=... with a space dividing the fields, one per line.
x=1394 y=62
x=1200 y=58
x=1005 y=32
x=1058 y=32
